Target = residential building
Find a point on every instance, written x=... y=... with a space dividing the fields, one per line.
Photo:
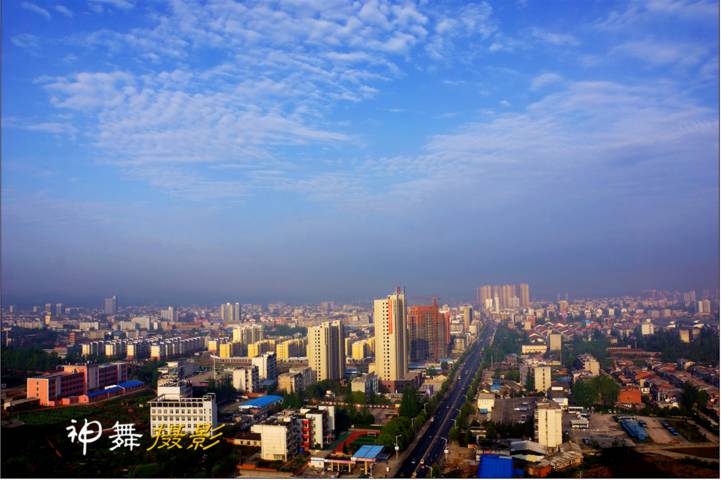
x=267 y=366
x=588 y=362
x=428 y=332
x=326 y=350
x=548 y=425
x=246 y=379
x=391 y=332
x=555 y=342
x=230 y=312
x=248 y=333
x=110 y=306
x=542 y=378
x=366 y=383
x=280 y=436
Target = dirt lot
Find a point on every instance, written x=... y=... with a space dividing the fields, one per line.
x=657 y=432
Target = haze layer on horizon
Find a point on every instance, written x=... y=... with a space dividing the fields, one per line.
x=196 y=152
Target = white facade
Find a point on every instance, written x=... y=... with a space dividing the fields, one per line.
x=188 y=412
x=246 y=379
x=391 y=333
x=267 y=367
x=549 y=425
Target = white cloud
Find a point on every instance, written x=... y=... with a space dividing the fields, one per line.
x=662 y=53
x=36 y=9
x=119 y=4
x=558 y=39
x=26 y=40
x=545 y=79
x=64 y=10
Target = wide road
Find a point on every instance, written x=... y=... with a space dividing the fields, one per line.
x=430 y=447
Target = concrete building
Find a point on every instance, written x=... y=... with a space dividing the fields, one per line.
x=248 y=333
x=485 y=402
x=280 y=436
x=317 y=428
x=428 y=333
x=110 y=306
x=542 y=378
x=174 y=388
x=290 y=382
x=647 y=327
x=467 y=317
x=169 y=314
x=391 y=332
x=588 y=362
x=246 y=379
x=534 y=348
x=295 y=347
x=230 y=312
x=326 y=350
x=555 y=342
x=548 y=425
x=267 y=366
x=367 y=383
x=191 y=413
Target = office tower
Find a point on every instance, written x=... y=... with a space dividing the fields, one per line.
x=467 y=317
x=169 y=314
x=111 y=305
x=549 y=425
x=59 y=310
x=542 y=378
x=248 y=333
x=525 y=295
x=391 y=333
x=230 y=312
x=48 y=308
x=326 y=350
x=267 y=366
x=427 y=328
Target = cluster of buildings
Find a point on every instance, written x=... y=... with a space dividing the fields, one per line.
x=83 y=383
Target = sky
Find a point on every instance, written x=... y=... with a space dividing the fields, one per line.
x=203 y=151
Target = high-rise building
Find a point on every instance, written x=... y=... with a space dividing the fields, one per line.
x=525 y=295
x=326 y=350
x=111 y=305
x=555 y=342
x=484 y=297
x=169 y=314
x=59 y=310
x=541 y=378
x=391 y=333
x=248 y=333
x=467 y=317
x=549 y=425
x=428 y=334
x=230 y=312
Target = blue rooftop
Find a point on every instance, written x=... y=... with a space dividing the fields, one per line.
x=262 y=402
x=97 y=393
x=495 y=466
x=368 y=452
x=131 y=384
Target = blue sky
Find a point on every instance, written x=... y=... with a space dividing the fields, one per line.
x=183 y=151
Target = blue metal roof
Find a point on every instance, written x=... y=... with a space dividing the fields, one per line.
x=495 y=466
x=367 y=452
x=131 y=384
x=262 y=402
x=97 y=393
x=634 y=429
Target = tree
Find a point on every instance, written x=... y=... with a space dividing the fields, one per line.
x=409 y=403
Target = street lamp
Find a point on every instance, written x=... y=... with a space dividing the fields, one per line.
x=397 y=447
x=445 y=447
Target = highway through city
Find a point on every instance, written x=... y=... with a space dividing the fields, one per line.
x=431 y=447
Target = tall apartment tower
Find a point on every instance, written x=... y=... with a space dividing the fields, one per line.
x=391 y=333
x=427 y=333
x=549 y=425
x=467 y=317
x=110 y=306
x=230 y=312
x=525 y=295
x=326 y=350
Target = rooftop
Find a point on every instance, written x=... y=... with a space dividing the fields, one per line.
x=261 y=402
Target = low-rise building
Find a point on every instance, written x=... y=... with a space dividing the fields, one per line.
x=190 y=413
